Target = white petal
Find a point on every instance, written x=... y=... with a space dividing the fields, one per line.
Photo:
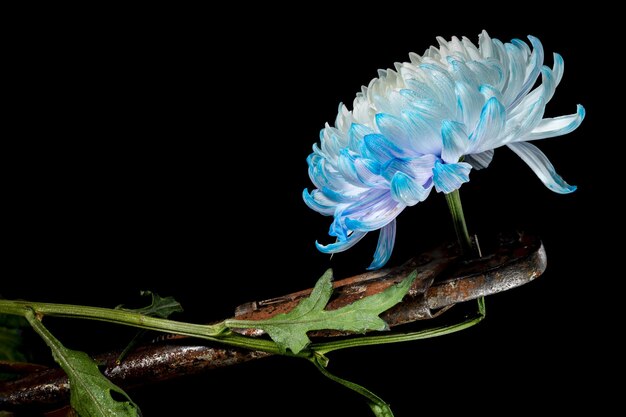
x=470 y=102
x=541 y=166
x=455 y=141
x=479 y=160
x=490 y=127
x=450 y=177
x=486 y=46
x=425 y=132
x=557 y=126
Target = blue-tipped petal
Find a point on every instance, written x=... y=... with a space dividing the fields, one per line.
x=534 y=69
x=517 y=71
x=374 y=216
x=345 y=166
x=455 y=141
x=394 y=129
x=488 y=92
x=379 y=148
x=406 y=190
x=386 y=240
x=425 y=128
x=341 y=245
x=356 y=133
x=318 y=202
x=548 y=83
x=342 y=196
x=469 y=102
x=450 y=177
x=541 y=166
x=557 y=126
x=419 y=168
x=490 y=127
x=558 y=68
x=368 y=172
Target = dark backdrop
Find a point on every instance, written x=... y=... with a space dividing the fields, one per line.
x=156 y=151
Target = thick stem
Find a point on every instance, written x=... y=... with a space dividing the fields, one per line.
x=458 y=218
x=215 y=332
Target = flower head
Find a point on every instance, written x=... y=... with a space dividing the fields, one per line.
x=428 y=124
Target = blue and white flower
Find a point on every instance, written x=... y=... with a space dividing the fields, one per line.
x=427 y=124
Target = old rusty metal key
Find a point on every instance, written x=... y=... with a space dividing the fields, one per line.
x=444 y=279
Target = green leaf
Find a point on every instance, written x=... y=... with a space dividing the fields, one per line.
x=289 y=330
x=159 y=307
x=90 y=391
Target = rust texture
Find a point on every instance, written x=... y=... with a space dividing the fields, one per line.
x=443 y=280
x=146 y=364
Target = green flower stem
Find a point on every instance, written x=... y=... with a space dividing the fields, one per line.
x=112 y=316
x=456 y=209
x=326 y=347
x=377 y=404
x=219 y=332
x=214 y=332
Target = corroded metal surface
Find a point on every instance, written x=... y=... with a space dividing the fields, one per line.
x=146 y=364
x=444 y=279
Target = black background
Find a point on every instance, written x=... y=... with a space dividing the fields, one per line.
x=156 y=150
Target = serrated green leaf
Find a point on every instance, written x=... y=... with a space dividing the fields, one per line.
x=289 y=330
x=159 y=307
x=90 y=391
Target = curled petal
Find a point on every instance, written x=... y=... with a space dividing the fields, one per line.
x=406 y=190
x=319 y=202
x=341 y=245
x=517 y=71
x=532 y=71
x=386 y=239
x=541 y=166
x=558 y=68
x=557 y=126
x=450 y=177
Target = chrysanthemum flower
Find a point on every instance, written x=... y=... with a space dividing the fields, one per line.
x=427 y=124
